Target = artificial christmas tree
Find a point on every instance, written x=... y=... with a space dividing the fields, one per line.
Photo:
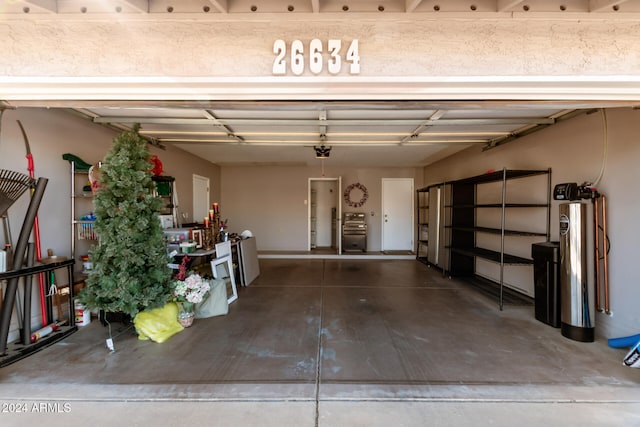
x=130 y=271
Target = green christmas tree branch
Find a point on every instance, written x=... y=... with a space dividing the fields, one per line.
x=130 y=271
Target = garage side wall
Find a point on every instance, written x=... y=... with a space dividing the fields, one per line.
x=576 y=150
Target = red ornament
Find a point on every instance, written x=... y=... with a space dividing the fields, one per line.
x=157 y=165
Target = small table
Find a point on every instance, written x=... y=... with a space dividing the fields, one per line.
x=206 y=255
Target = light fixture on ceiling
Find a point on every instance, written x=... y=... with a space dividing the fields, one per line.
x=322 y=152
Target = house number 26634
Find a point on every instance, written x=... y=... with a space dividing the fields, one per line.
x=297 y=58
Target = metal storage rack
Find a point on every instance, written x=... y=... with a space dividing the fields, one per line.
x=12 y=186
x=83 y=235
x=16 y=351
x=165 y=190
x=313 y=219
x=464 y=248
x=422 y=203
x=433 y=219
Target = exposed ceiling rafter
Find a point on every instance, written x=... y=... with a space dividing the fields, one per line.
x=503 y=5
x=412 y=5
x=139 y=5
x=602 y=5
x=500 y=8
x=221 y=6
x=46 y=5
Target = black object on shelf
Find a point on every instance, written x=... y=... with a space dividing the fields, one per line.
x=546 y=275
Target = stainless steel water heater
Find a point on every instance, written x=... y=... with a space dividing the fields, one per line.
x=577 y=297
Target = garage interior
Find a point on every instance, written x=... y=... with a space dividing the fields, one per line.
x=330 y=341
x=336 y=343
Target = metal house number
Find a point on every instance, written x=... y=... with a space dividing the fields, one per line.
x=296 y=57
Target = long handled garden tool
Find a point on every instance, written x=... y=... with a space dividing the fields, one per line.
x=3 y=221
x=36 y=230
x=10 y=189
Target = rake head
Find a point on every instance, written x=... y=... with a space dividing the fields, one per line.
x=12 y=185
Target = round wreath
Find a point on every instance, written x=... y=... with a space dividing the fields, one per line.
x=347 y=195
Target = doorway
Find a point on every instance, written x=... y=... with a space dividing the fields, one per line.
x=397 y=214
x=200 y=197
x=325 y=211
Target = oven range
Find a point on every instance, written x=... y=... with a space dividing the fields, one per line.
x=354 y=232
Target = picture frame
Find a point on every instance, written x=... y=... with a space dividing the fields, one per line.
x=198 y=237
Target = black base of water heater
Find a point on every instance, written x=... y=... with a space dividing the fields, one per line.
x=577 y=333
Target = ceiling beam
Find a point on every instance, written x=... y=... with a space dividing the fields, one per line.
x=221 y=6
x=601 y=5
x=315 y=6
x=312 y=122
x=502 y=5
x=48 y=5
x=412 y=5
x=139 y=5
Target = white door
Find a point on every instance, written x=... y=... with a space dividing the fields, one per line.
x=397 y=214
x=200 y=198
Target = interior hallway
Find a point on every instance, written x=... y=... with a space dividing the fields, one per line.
x=398 y=344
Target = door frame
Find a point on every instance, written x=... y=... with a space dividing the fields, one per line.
x=338 y=212
x=412 y=211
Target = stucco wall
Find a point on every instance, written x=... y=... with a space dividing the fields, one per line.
x=393 y=45
x=401 y=56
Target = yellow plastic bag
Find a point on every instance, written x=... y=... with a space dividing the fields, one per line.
x=158 y=324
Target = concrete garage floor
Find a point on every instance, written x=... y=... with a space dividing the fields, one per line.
x=397 y=345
